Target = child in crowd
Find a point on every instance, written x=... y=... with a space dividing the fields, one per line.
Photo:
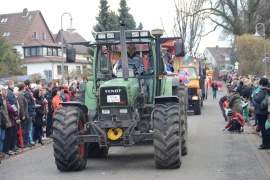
x=236 y=122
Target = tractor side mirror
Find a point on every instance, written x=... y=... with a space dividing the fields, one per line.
x=179 y=49
x=71 y=54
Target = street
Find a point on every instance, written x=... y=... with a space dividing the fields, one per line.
x=213 y=154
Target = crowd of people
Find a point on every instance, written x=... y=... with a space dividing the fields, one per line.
x=247 y=99
x=30 y=106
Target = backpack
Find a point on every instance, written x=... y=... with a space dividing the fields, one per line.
x=264 y=103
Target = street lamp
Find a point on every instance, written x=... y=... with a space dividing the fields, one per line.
x=264 y=51
x=70 y=29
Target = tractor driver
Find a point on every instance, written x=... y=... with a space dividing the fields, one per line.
x=134 y=61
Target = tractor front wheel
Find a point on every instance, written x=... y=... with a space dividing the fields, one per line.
x=68 y=124
x=167 y=140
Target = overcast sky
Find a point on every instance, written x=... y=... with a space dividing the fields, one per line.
x=84 y=13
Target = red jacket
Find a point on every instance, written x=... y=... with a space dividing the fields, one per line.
x=237 y=116
x=56 y=103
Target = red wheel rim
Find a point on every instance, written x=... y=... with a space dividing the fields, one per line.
x=80 y=146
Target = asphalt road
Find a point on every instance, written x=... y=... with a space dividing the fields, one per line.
x=213 y=154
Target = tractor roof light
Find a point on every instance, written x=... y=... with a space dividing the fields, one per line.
x=135 y=34
x=101 y=36
x=157 y=32
x=110 y=35
x=144 y=33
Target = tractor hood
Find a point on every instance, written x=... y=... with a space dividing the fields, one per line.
x=194 y=83
x=118 y=92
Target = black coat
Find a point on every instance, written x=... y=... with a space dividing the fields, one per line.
x=39 y=112
x=257 y=98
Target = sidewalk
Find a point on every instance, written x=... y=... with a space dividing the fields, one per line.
x=46 y=141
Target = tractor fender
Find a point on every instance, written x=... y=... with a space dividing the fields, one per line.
x=165 y=99
x=77 y=104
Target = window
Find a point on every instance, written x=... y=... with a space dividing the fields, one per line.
x=4 y=20
x=50 y=52
x=59 y=70
x=33 y=51
x=54 y=52
x=39 y=51
x=59 y=52
x=43 y=36
x=35 y=35
x=65 y=69
x=27 y=52
x=45 y=52
x=6 y=34
x=78 y=67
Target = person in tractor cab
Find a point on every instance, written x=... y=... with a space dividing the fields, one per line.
x=236 y=122
x=134 y=61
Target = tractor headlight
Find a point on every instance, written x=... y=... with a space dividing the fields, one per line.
x=144 y=33
x=195 y=98
x=110 y=35
x=101 y=36
x=123 y=111
x=135 y=34
x=105 y=111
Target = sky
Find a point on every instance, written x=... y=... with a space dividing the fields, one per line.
x=84 y=12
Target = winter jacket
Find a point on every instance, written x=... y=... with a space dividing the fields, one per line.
x=39 y=110
x=235 y=103
x=63 y=97
x=10 y=112
x=48 y=96
x=56 y=103
x=257 y=99
x=67 y=96
x=214 y=86
x=247 y=92
x=72 y=97
x=31 y=102
x=12 y=98
x=237 y=116
x=23 y=105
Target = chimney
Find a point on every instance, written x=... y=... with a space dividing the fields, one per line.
x=25 y=12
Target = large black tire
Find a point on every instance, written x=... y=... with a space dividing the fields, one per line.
x=197 y=110
x=201 y=102
x=94 y=151
x=183 y=117
x=69 y=155
x=167 y=141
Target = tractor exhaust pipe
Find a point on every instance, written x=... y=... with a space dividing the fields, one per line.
x=124 y=57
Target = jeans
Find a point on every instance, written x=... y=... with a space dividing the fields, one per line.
x=7 y=139
x=31 y=132
x=26 y=125
x=14 y=137
x=261 y=122
x=214 y=94
x=49 y=123
x=2 y=137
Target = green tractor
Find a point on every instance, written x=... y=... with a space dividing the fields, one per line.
x=120 y=109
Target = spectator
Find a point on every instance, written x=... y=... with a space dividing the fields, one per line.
x=28 y=94
x=2 y=126
x=49 y=120
x=12 y=116
x=214 y=89
x=234 y=101
x=56 y=99
x=73 y=95
x=62 y=93
x=14 y=103
x=221 y=102
x=236 y=122
x=26 y=123
x=66 y=93
x=38 y=122
x=262 y=114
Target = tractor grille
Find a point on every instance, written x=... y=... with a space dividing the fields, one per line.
x=192 y=91
x=111 y=96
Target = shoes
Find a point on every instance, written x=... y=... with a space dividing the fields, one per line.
x=32 y=143
x=10 y=153
x=41 y=142
x=16 y=149
x=264 y=147
x=28 y=145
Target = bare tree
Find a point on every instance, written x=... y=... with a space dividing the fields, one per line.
x=189 y=23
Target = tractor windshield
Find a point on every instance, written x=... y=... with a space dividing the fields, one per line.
x=191 y=71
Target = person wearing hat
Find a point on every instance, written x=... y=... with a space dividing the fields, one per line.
x=134 y=61
x=234 y=101
x=236 y=122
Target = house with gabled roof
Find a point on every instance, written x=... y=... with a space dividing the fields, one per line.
x=218 y=56
x=30 y=35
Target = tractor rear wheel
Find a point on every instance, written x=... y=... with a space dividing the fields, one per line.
x=167 y=141
x=183 y=117
x=94 y=151
x=68 y=124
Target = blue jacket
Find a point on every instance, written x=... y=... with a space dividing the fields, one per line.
x=12 y=98
x=31 y=103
